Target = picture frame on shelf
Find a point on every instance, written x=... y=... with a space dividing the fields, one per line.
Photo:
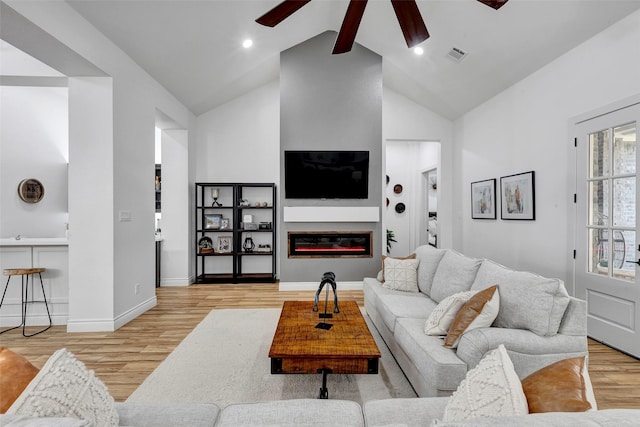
x=483 y=199
x=225 y=244
x=212 y=221
x=517 y=196
x=224 y=224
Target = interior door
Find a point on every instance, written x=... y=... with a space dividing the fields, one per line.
x=607 y=252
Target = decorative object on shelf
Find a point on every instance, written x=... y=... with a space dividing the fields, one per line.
x=225 y=244
x=215 y=193
x=205 y=245
x=517 y=194
x=400 y=207
x=264 y=247
x=328 y=278
x=247 y=218
x=264 y=226
x=224 y=224
x=30 y=190
x=265 y=204
x=397 y=188
x=158 y=188
x=212 y=221
x=483 y=199
x=244 y=203
x=248 y=245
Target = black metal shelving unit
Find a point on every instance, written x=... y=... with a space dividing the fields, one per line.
x=234 y=201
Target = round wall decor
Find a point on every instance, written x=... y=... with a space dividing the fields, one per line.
x=30 y=190
x=397 y=188
x=400 y=207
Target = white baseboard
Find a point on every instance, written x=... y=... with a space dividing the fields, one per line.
x=313 y=286
x=110 y=325
x=176 y=281
x=39 y=320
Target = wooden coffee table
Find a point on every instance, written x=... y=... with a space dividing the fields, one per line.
x=302 y=346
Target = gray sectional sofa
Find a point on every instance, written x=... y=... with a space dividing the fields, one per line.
x=538 y=322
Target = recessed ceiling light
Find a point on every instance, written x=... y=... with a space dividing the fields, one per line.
x=418 y=50
x=247 y=43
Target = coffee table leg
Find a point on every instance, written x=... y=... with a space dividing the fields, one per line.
x=324 y=392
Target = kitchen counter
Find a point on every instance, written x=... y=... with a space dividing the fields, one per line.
x=35 y=241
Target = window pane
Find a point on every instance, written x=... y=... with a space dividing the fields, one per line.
x=599 y=154
x=624 y=202
x=599 y=203
x=624 y=243
x=599 y=251
x=624 y=149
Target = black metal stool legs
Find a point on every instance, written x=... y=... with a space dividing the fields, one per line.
x=26 y=302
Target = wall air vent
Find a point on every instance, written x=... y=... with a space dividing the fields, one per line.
x=456 y=54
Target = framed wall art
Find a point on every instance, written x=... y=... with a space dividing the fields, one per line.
x=517 y=196
x=483 y=199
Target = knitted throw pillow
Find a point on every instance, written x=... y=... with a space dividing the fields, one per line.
x=442 y=316
x=491 y=389
x=65 y=388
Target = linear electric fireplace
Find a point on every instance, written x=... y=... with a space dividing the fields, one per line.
x=330 y=244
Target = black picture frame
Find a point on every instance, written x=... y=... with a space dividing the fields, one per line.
x=517 y=197
x=483 y=199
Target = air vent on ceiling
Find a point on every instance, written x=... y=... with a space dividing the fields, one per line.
x=456 y=54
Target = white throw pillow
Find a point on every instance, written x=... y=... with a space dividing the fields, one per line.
x=441 y=317
x=401 y=274
x=65 y=388
x=491 y=389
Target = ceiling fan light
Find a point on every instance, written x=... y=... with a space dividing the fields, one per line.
x=418 y=50
x=247 y=43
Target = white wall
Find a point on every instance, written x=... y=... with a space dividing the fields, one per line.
x=404 y=120
x=135 y=98
x=526 y=128
x=34 y=143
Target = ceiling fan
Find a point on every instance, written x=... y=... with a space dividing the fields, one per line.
x=407 y=13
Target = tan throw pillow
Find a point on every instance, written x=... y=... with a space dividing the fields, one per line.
x=442 y=316
x=16 y=372
x=401 y=274
x=65 y=388
x=491 y=389
x=559 y=387
x=479 y=312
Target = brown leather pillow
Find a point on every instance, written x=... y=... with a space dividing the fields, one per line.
x=16 y=373
x=479 y=312
x=412 y=256
x=559 y=387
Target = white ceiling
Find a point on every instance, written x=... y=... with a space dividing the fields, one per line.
x=193 y=47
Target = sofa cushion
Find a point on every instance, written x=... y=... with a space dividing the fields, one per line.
x=442 y=316
x=296 y=412
x=399 y=304
x=400 y=274
x=559 y=387
x=65 y=388
x=167 y=414
x=429 y=258
x=479 y=312
x=439 y=366
x=455 y=273
x=607 y=417
x=16 y=372
x=527 y=300
x=415 y=411
x=490 y=389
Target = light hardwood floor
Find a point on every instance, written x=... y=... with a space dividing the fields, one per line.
x=124 y=358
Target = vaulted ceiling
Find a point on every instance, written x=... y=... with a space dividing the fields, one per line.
x=193 y=47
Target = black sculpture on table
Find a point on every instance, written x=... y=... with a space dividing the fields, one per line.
x=330 y=279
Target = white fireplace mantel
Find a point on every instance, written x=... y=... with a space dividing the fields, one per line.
x=331 y=214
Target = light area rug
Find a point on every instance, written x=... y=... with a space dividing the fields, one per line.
x=225 y=360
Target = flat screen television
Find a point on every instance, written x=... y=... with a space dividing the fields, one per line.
x=326 y=174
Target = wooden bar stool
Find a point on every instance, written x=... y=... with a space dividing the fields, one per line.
x=25 y=273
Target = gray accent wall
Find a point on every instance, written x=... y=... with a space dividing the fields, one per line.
x=331 y=102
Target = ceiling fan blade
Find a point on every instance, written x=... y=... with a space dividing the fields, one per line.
x=350 y=24
x=281 y=12
x=496 y=4
x=410 y=20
